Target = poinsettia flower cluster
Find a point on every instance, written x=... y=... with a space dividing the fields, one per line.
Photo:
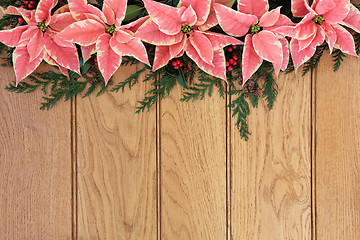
x=175 y=31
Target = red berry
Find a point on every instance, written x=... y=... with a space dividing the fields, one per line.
x=227 y=64
x=30 y=6
x=235 y=57
x=21 y=20
x=181 y=64
x=230 y=49
x=32 y=2
x=22 y=6
x=176 y=67
x=234 y=46
x=231 y=61
x=178 y=61
x=26 y=2
x=230 y=68
x=235 y=62
x=174 y=63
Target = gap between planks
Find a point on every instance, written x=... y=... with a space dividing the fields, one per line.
x=74 y=185
x=313 y=153
x=228 y=163
x=158 y=167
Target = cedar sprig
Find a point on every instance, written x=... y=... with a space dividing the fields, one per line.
x=314 y=61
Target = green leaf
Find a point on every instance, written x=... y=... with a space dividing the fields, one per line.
x=181 y=79
x=132 y=12
x=84 y=68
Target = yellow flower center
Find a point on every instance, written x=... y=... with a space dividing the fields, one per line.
x=318 y=19
x=255 y=28
x=186 y=28
x=110 y=29
x=42 y=26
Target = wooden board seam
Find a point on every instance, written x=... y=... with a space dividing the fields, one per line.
x=74 y=195
x=313 y=153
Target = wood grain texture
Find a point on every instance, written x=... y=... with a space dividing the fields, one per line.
x=271 y=173
x=338 y=150
x=35 y=166
x=116 y=166
x=193 y=168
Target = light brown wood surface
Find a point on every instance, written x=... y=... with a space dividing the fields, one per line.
x=93 y=169
x=193 y=168
x=271 y=173
x=338 y=150
x=116 y=164
x=35 y=166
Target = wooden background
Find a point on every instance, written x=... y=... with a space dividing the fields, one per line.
x=93 y=169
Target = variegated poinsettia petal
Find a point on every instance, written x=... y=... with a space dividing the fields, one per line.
x=48 y=59
x=26 y=14
x=108 y=60
x=12 y=37
x=268 y=46
x=286 y=53
x=300 y=57
x=84 y=32
x=43 y=10
x=36 y=45
x=202 y=46
x=250 y=60
x=178 y=49
x=212 y=20
x=119 y=8
x=352 y=20
x=134 y=48
x=134 y=26
x=81 y=10
x=282 y=21
x=218 y=69
x=162 y=57
x=219 y=41
x=27 y=35
x=338 y=13
x=344 y=41
x=64 y=56
x=188 y=17
x=306 y=42
x=330 y=34
x=60 y=21
x=109 y=14
x=270 y=18
x=62 y=9
x=303 y=30
x=166 y=17
x=149 y=32
x=22 y=65
x=87 y=51
x=122 y=36
x=232 y=22
x=202 y=9
x=257 y=8
x=300 y=8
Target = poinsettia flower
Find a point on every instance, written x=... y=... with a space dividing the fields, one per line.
x=175 y=31
x=321 y=22
x=37 y=40
x=101 y=30
x=259 y=26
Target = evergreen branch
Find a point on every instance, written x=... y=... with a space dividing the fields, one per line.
x=338 y=57
x=206 y=85
x=130 y=81
x=290 y=68
x=314 y=60
x=163 y=86
x=357 y=42
x=241 y=110
x=270 y=88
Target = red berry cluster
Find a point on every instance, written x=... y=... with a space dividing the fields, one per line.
x=233 y=60
x=177 y=64
x=96 y=63
x=28 y=5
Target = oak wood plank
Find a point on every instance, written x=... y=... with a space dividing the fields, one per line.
x=193 y=168
x=35 y=166
x=116 y=165
x=271 y=173
x=338 y=150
